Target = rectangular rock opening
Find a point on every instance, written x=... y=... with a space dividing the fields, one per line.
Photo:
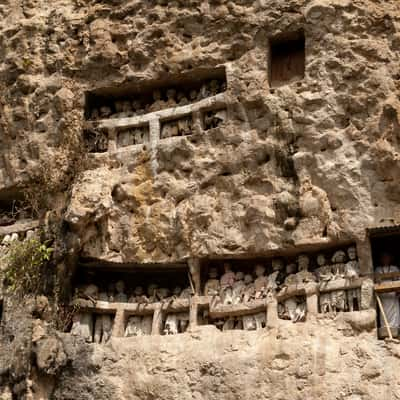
x=141 y=283
x=13 y=207
x=133 y=136
x=293 y=308
x=342 y=300
x=96 y=141
x=213 y=118
x=386 y=260
x=142 y=97
x=182 y=126
x=287 y=59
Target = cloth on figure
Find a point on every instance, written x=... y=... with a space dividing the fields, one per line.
x=390 y=301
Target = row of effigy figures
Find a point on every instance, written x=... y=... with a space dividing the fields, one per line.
x=167 y=98
x=232 y=287
x=98 y=329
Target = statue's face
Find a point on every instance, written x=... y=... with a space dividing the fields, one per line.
x=352 y=252
x=321 y=260
x=156 y=95
x=239 y=276
x=277 y=265
x=303 y=262
x=213 y=273
x=126 y=106
x=227 y=267
x=291 y=269
x=248 y=278
x=339 y=257
x=259 y=270
x=171 y=93
x=151 y=290
x=120 y=286
x=177 y=291
x=118 y=106
x=193 y=94
x=138 y=290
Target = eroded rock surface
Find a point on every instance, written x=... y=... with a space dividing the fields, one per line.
x=265 y=170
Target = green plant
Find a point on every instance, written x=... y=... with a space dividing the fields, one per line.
x=25 y=266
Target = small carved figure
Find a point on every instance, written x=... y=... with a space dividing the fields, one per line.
x=325 y=302
x=272 y=280
x=158 y=103
x=204 y=92
x=126 y=109
x=260 y=282
x=138 y=296
x=238 y=287
x=169 y=129
x=183 y=321
x=186 y=293
x=352 y=268
x=105 y=112
x=229 y=324
x=171 y=325
x=185 y=126
x=137 y=108
x=212 y=119
x=95 y=114
x=227 y=280
x=193 y=96
x=261 y=320
x=171 y=102
x=214 y=87
x=304 y=275
x=249 y=291
x=324 y=272
x=83 y=326
x=119 y=109
x=295 y=309
x=120 y=297
x=176 y=292
x=249 y=323
x=147 y=323
x=181 y=99
x=163 y=294
x=212 y=286
x=152 y=292
x=134 y=326
x=354 y=299
x=338 y=301
x=338 y=266
x=91 y=292
x=290 y=279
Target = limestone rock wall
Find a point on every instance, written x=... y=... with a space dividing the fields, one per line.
x=314 y=161
x=311 y=161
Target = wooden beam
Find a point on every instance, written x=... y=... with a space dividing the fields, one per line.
x=386 y=287
x=389 y=331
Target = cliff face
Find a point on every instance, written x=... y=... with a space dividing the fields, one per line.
x=311 y=162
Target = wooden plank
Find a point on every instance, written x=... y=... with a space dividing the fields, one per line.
x=386 y=287
x=178 y=305
x=222 y=311
x=389 y=331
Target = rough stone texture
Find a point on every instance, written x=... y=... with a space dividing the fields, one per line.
x=314 y=162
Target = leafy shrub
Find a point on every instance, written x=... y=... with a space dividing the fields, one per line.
x=25 y=265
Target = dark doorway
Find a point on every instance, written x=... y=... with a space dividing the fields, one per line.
x=287 y=59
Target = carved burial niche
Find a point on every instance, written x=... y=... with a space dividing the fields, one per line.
x=287 y=59
x=213 y=118
x=182 y=126
x=141 y=97
x=13 y=207
x=96 y=141
x=385 y=244
x=133 y=136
